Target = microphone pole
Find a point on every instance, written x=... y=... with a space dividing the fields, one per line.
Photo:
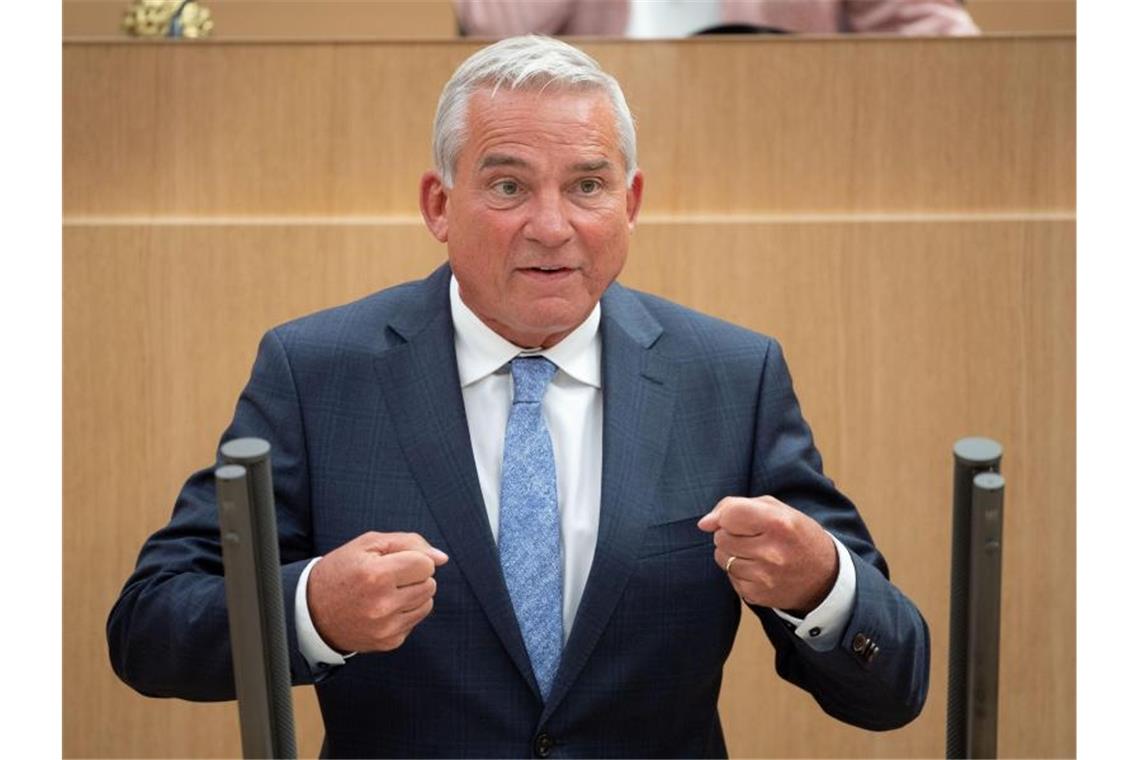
x=975 y=600
x=253 y=599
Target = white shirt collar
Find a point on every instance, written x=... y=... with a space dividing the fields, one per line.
x=480 y=351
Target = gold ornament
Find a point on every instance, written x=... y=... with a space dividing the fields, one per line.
x=167 y=18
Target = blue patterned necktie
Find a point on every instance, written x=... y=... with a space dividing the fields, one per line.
x=529 y=544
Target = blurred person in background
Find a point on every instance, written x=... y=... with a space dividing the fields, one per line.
x=681 y=18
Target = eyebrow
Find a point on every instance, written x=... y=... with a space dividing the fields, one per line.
x=493 y=160
x=592 y=166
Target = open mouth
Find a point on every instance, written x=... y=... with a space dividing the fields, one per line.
x=547 y=273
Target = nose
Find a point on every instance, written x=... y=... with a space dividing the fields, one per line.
x=548 y=224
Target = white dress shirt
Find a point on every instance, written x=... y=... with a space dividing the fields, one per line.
x=657 y=19
x=573 y=409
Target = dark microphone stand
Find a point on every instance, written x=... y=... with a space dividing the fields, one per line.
x=975 y=600
x=253 y=599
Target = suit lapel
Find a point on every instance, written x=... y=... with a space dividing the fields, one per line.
x=638 y=411
x=420 y=383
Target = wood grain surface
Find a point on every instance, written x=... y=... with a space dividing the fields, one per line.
x=1024 y=16
x=897 y=212
x=742 y=125
x=901 y=336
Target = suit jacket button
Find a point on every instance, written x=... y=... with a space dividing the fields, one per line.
x=859 y=643
x=543 y=745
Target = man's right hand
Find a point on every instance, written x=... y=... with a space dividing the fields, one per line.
x=369 y=594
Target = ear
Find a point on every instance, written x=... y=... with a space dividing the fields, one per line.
x=433 y=204
x=633 y=198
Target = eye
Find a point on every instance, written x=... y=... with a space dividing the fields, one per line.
x=507 y=187
x=590 y=186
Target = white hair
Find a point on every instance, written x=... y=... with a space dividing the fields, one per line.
x=529 y=62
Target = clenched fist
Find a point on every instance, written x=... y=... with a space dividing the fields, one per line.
x=784 y=559
x=369 y=594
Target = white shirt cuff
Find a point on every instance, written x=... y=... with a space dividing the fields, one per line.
x=316 y=652
x=823 y=626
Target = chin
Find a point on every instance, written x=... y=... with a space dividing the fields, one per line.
x=548 y=323
x=537 y=333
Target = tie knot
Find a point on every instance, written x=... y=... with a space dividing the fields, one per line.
x=531 y=375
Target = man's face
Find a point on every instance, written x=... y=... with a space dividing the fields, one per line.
x=538 y=221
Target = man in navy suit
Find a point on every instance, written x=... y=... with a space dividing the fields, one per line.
x=679 y=478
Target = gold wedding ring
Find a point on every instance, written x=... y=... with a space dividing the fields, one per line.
x=728 y=565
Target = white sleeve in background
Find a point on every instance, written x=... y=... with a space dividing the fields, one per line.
x=823 y=626
x=317 y=653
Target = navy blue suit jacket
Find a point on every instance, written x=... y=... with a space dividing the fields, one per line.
x=363 y=408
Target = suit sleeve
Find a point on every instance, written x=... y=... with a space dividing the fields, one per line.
x=168 y=633
x=877 y=676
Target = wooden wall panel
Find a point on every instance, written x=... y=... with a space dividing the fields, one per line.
x=284 y=19
x=772 y=126
x=1024 y=16
x=161 y=327
x=902 y=337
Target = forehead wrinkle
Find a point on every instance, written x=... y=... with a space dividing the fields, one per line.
x=503 y=133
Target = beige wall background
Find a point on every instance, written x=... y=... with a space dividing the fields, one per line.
x=898 y=212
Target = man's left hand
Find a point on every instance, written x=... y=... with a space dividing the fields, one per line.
x=784 y=559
